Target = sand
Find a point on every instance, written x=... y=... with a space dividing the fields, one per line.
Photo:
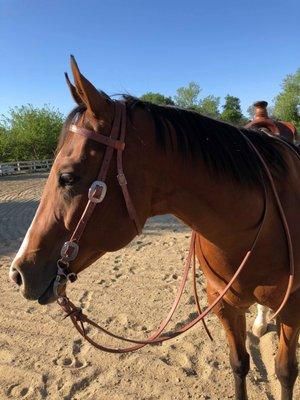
x=129 y=292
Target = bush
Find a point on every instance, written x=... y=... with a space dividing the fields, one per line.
x=29 y=132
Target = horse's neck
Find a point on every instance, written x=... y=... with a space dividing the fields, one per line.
x=217 y=209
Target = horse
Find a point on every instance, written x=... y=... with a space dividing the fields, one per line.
x=202 y=171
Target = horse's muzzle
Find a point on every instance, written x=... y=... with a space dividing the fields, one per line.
x=27 y=291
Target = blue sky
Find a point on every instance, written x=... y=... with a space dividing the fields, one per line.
x=244 y=48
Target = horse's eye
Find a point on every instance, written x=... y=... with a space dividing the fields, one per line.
x=67 y=179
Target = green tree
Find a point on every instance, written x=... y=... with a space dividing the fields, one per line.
x=232 y=110
x=5 y=147
x=30 y=133
x=157 y=98
x=209 y=106
x=287 y=103
x=188 y=96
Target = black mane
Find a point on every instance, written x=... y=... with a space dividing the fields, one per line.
x=221 y=146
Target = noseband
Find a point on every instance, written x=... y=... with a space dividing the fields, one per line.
x=97 y=192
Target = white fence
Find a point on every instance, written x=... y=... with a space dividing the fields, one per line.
x=25 y=167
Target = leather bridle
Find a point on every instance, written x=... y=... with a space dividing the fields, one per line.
x=96 y=194
x=97 y=191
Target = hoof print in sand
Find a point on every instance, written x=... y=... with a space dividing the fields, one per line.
x=73 y=360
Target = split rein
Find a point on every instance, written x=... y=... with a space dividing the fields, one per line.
x=96 y=194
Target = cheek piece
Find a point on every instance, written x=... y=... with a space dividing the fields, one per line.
x=97 y=192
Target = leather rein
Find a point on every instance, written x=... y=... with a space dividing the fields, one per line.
x=96 y=194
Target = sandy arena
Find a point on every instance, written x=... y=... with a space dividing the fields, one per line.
x=129 y=292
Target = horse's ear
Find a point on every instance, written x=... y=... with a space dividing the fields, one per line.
x=73 y=90
x=96 y=102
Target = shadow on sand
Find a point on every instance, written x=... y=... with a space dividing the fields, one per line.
x=15 y=218
x=257 y=358
x=164 y=223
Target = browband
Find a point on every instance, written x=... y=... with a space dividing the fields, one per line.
x=97 y=137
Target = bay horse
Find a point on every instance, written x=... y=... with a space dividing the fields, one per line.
x=199 y=169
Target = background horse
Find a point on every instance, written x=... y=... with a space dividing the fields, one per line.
x=198 y=169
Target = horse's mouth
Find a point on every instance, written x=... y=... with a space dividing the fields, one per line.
x=48 y=296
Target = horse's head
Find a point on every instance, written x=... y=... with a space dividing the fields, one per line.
x=65 y=195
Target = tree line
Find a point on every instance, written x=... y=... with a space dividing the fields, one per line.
x=286 y=103
x=29 y=132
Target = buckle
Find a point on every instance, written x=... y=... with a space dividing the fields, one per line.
x=93 y=196
x=122 y=179
x=69 y=251
x=63 y=265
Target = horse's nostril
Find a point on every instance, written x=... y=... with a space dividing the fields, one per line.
x=16 y=277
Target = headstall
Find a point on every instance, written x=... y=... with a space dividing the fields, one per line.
x=97 y=192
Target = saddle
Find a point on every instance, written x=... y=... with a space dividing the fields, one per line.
x=262 y=121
